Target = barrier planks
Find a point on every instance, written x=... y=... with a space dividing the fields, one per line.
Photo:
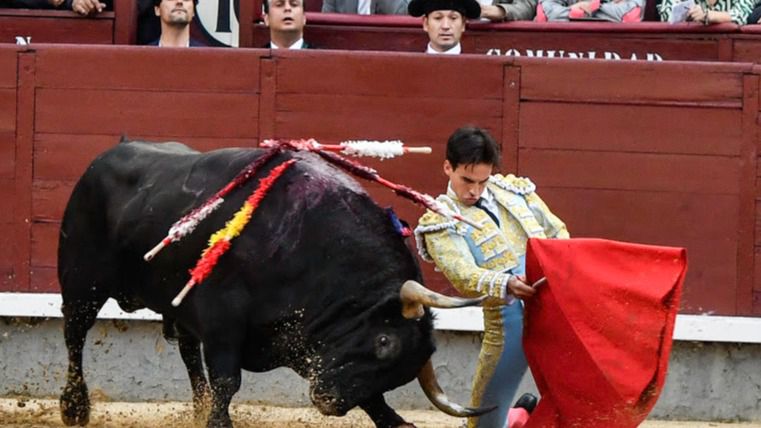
x=8 y=115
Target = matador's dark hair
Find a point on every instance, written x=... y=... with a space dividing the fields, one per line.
x=470 y=145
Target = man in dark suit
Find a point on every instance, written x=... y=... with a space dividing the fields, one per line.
x=175 y=17
x=286 y=21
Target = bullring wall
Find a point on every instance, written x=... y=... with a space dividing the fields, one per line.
x=658 y=153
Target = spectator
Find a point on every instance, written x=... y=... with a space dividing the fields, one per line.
x=175 y=17
x=712 y=12
x=509 y=10
x=444 y=21
x=366 y=7
x=286 y=21
x=603 y=10
x=32 y=4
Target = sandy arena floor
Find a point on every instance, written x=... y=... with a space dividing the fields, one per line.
x=35 y=413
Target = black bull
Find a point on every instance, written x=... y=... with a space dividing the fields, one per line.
x=314 y=282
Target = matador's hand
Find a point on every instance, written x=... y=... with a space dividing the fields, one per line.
x=517 y=286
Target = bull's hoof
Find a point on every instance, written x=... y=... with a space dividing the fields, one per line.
x=75 y=405
x=219 y=422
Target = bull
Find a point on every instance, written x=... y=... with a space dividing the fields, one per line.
x=320 y=281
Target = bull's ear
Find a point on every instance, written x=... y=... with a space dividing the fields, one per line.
x=414 y=296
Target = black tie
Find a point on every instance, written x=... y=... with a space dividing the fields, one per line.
x=480 y=204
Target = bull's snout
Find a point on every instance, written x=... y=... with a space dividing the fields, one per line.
x=328 y=402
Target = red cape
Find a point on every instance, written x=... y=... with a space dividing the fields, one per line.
x=598 y=333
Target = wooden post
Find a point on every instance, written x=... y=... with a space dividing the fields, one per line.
x=250 y=12
x=746 y=239
x=125 y=23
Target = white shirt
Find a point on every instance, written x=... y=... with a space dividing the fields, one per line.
x=363 y=7
x=161 y=46
x=454 y=50
x=298 y=44
x=489 y=203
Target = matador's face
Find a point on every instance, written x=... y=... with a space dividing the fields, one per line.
x=468 y=181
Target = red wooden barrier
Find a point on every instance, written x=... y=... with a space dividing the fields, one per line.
x=660 y=153
x=10 y=275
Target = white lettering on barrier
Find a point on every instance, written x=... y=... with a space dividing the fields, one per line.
x=559 y=53
x=23 y=40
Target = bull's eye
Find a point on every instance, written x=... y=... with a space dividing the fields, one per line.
x=386 y=346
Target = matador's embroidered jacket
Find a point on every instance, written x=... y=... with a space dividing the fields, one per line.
x=479 y=262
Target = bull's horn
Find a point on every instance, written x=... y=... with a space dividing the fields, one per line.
x=427 y=379
x=414 y=296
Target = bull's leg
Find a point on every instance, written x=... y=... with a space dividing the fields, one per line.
x=223 y=363
x=382 y=414
x=190 y=351
x=78 y=318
